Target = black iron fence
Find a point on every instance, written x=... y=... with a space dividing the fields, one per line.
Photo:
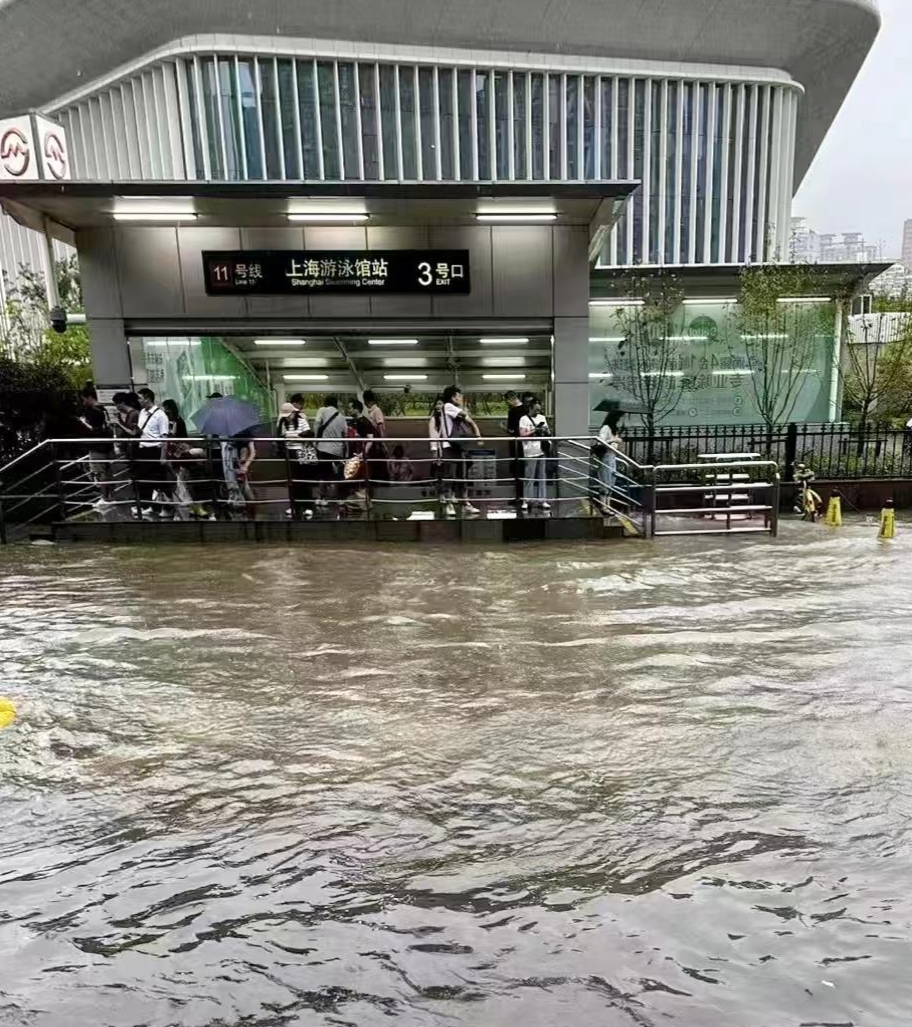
x=835 y=451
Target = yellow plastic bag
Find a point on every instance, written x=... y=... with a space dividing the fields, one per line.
x=7 y=713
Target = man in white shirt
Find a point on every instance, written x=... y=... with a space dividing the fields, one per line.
x=532 y=428
x=457 y=428
x=152 y=471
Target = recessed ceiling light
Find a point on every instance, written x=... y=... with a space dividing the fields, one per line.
x=607 y=338
x=517 y=217
x=306 y=377
x=405 y=377
x=154 y=215
x=805 y=299
x=280 y=342
x=617 y=303
x=504 y=377
x=210 y=377
x=504 y=341
x=392 y=342
x=329 y=216
x=171 y=342
x=600 y=374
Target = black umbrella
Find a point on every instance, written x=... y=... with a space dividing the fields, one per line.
x=621 y=406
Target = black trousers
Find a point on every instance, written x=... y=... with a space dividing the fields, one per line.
x=150 y=475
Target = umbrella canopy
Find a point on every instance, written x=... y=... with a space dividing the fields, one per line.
x=622 y=406
x=227 y=416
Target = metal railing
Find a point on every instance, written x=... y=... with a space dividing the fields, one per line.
x=836 y=452
x=64 y=480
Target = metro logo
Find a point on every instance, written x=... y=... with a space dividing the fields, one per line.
x=55 y=155
x=15 y=152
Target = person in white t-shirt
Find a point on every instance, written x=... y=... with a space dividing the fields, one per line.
x=533 y=427
x=457 y=427
x=153 y=431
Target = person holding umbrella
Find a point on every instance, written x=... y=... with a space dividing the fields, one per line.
x=233 y=422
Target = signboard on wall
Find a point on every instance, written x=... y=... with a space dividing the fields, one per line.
x=303 y=272
x=31 y=148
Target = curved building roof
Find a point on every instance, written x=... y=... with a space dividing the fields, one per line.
x=49 y=48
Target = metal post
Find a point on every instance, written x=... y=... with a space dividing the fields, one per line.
x=212 y=483
x=774 y=503
x=653 y=503
x=791 y=450
x=60 y=499
x=368 y=489
x=291 y=497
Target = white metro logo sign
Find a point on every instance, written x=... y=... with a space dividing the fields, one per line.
x=55 y=158
x=15 y=152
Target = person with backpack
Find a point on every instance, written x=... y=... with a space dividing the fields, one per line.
x=457 y=429
x=303 y=462
x=95 y=425
x=330 y=430
x=533 y=428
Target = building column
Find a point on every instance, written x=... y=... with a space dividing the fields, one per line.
x=571 y=331
x=110 y=353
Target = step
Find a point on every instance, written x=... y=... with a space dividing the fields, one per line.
x=716 y=531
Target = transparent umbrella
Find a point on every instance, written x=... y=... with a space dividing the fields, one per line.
x=227 y=416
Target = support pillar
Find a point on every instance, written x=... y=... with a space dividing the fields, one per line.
x=110 y=353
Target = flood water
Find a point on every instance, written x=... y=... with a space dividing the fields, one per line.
x=562 y=786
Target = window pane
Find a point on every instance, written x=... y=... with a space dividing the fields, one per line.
x=554 y=111
x=389 y=119
x=687 y=143
x=590 y=142
x=270 y=103
x=308 y=112
x=190 y=79
x=745 y=151
x=639 y=150
x=428 y=125
x=720 y=141
x=331 y=168
x=287 y=108
x=369 y=121
x=466 y=142
x=733 y=157
x=607 y=125
x=623 y=117
x=502 y=123
x=445 y=95
x=484 y=136
x=210 y=101
x=656 y=176
x=228 y=101
x=672 y=185
x=519 y=124
x=347 y=101
x=701 y=169
x=538 y=127
x=407 y=110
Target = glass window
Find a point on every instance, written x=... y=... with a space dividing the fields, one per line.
x=573 y=142
x=484 y=136
x=639 y=151
x=445 y=95
x=655 y=170
x=407 y=111
x=466 y=101
x=307 y=108
x=589 y=140
x=327 y=91
x=519 y=125
x=744 y=146
x=687 y=144
x=347 y=102
x=502 y=123
x=389 y=119
x=270 y=103
x=428 y=124
x=287 y=111
x=554 y=125
x=702 y=169
x=733 y=151
x=228 y=101
x=671 y=172
x=759 y=175
x=190 y=79
x=719 y=144
x=210 y=102
x=623 y=127
x=538 y=127
x=607 y=125
x=369 y=139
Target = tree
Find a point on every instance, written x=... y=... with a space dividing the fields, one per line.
x=25 y=326
x=781 y=339
x=647 y=363
x=877 y=365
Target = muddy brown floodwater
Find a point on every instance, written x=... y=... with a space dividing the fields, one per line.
x=562 y=786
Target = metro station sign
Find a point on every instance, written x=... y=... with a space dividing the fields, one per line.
x=306 y=272
x=33 y=148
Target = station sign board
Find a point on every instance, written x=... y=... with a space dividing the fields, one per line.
x=33 y=148
x=303 y=272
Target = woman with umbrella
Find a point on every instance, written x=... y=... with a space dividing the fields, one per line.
x=233 y=422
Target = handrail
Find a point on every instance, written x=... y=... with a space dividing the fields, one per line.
x=716 y=467
x=28 y=452
x=572 y=439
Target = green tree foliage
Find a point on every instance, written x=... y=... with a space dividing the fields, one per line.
x=781 y=340
x=878 y=365
x=25 y=327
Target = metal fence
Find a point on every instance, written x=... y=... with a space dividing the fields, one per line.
x=836 y=451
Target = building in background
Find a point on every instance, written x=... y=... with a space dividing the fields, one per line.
x=810 y=247
x=907 y=245
x=894 y=284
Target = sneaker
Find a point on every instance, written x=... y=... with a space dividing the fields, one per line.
x=101 y=504
x=524 y=508
x=472 y=511
x=450 y=510
x=289 y=513
x=546 y=507
x=308 y=515
x=147 y=514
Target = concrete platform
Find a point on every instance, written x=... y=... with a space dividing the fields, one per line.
x=488 y=532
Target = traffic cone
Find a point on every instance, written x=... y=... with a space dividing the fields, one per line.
x=834 y=511
x=887 y=521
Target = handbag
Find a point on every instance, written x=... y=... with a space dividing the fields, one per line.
x=353 y=467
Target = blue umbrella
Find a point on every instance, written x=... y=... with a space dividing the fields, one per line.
x=226 y=416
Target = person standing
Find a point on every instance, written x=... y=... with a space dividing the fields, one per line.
x=605 y=452
x=94 y=422
x=458 y=428
x=379 y=451
x=152 y=425
x=532 y=428
x=330 y=429
x=516 y=411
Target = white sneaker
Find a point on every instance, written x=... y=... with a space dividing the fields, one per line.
x=546 y=507
x=524 y=508
x=450 y=510
x=100 y=504
x=308 y=515
x=147 y=514
x=289 y=513
x=472 y=511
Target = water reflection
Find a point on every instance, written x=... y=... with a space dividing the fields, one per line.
x=586 y=785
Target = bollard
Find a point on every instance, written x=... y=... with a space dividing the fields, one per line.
x=834 y=511
x=887 y=521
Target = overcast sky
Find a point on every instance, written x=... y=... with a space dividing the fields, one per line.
x=861 y=180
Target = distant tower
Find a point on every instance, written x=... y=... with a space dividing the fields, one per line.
x=907 y=245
